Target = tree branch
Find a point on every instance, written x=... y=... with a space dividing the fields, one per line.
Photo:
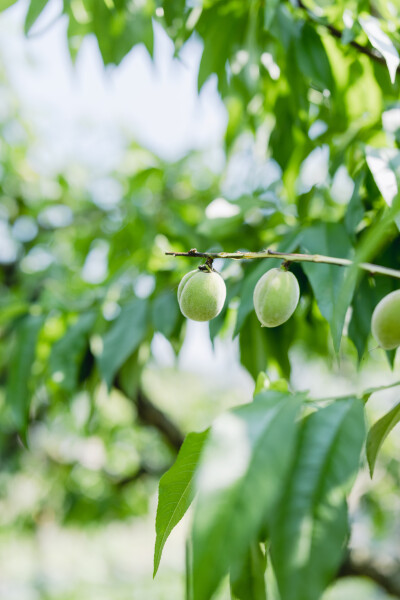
x=337 y=33
x=389 y=580
x=143 y=470
x=150 y=414
x=153 y=416
x=292 y=257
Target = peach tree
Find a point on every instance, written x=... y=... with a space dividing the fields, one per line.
x=303 y=217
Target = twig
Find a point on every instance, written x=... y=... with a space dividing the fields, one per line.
x=337 y=33
x=292 y=257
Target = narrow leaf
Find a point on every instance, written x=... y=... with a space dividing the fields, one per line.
x=248 y=578
x=311 y=527
x=355 y=208
x=18 y=393
x=67 y=353
x=327 y=280
x=123 y=338
x=165 y=312
x=312 y=58
x=382 y=43
x=175 y=491
x=34 y=11
x=6 y=4
x=239 y=480
x=378 y=433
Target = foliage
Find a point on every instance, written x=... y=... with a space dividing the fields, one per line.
x=311 y=155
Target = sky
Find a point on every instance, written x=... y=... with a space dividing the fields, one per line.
x=88 y=113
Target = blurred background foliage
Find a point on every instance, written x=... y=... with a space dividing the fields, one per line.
x=95 y=393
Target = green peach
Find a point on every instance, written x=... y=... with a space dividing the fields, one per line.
x=385 y=323
x=275 y=297
x=201 y=295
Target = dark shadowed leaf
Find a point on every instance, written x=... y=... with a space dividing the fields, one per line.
x=312 y=58
x=248 y=577
x=18 y=393
x=67 y=354
x=165 y=312
x=327 y=280
x=123 y=338
x=355 y=209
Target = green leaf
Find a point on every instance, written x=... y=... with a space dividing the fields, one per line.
x=67 y=353
x=270 y=9
x=239 y=480
x=6 y=4
x=253 y=347
x=175 y=492
x=165 y=312
x=312 y=58
x=310 y=529
x=333 y=298
x=355 y=208
x=262 y=346
x=248 y=578
x=221 y=31
x=34 y=11
x=18 y=392
x=368 y=293
x=123 y=338
x=378 y=433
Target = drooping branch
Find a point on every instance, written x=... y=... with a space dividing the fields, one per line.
x=143 y=471
x=387 y=579
x=292 y=257
x=337 y=33
x=153 y=416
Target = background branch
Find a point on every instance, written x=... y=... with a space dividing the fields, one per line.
x=149 y=414
x=389 y=580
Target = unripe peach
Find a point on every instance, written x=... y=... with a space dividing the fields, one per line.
x=201 y=295
x=275 y=297
x=385 y=323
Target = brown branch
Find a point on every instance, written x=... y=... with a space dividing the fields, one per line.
x=150 y=414
x=337 y=33
x=387 y=579
x=153 y=416
x=143 y=470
